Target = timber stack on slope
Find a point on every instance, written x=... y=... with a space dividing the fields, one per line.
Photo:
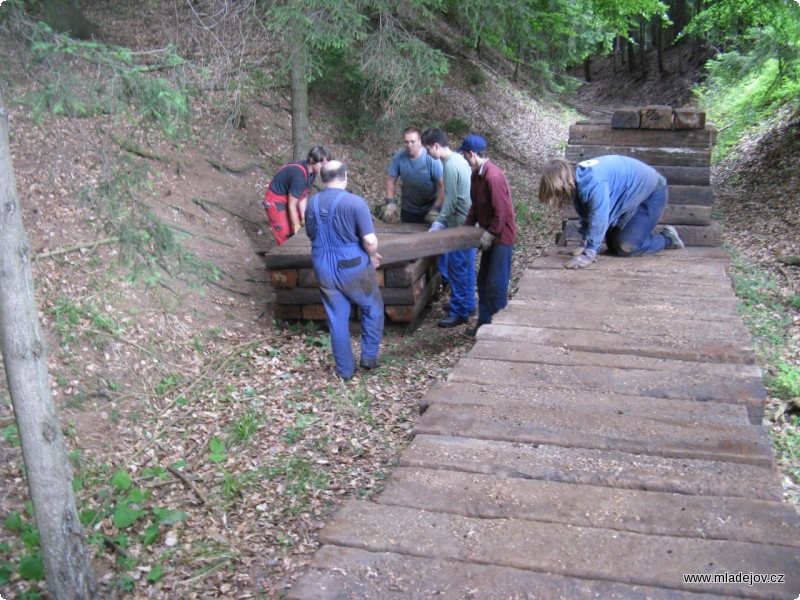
x=675 y=142
x=408 y=276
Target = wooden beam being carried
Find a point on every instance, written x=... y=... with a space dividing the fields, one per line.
x=296 y=253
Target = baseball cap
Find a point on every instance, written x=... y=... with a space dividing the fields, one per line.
x=473 y=143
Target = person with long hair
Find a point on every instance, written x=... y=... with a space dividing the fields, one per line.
x=619 y=201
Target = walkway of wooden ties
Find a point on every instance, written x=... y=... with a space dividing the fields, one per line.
x=602 y=439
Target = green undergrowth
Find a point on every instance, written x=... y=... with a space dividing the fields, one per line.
x=768 y=312
x=751 y=81
x=121 y=82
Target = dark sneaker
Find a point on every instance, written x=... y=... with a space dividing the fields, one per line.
x=471 y=331
x=369 y=363
x=452 y=321
x=675 y=242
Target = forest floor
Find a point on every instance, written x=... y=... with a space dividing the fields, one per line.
x=210 y=442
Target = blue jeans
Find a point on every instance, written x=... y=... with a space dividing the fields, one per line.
x=442 y=264
x=494 y=274
x=461 y=274
x=637 y=238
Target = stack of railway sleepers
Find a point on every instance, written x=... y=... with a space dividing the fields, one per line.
x=408 y=275
x=677 y=143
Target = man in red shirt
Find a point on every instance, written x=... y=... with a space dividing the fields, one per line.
x=287 y=193
x=493 y=210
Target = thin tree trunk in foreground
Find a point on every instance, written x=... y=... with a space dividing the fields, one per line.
x=66 y=559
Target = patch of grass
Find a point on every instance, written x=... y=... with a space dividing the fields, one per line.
x=361 y=400
x=786 y=383
x=211 y=555
x=788 y=447
x=529 y=213
x=295 y=433
x=245 y=426
x=234 y=484
x=767 y=314
x=299 y=480
x=763 y=308
x=73 y=318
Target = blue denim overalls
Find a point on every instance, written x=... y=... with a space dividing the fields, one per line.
x=345 y=274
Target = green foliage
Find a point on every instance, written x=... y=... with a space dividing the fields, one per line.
x=762 y=307
x=119 y=83
x=73 y=318
x=293 y=434
x=217 y=451
x=768 y=318
x=147 y=246
x=545 y=37
x=10 y=434
x=364 y=45
x=245 y=426
x=299 y=480
x=29 y=565
x=528 y=213
x=786 y=382
x=456 y=127
x=759 y=71
x=788 y=447
x=233 y=484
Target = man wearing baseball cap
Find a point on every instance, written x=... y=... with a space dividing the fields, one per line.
x=493 y=210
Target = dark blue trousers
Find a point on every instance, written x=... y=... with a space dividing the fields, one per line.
x=494 y=274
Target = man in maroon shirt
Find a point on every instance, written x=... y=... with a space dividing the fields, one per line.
x=493 y=210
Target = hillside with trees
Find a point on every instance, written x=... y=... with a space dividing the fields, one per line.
x=208 y=441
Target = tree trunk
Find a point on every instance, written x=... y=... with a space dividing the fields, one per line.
x=631 y=57
x=679 y=15
x=658 y=34
x=67 y=562
x=587 y=69
x=299 y=88
x=65 y=16
x=643 y=48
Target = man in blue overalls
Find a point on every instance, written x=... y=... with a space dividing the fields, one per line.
x=344 y=253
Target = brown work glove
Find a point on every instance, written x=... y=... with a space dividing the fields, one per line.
x=583 y=260
x=390 y=214
x=577 y=251
x=486 y=240
x=432 y=215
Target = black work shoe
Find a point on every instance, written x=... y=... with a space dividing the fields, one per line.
x=452 y=321
x=369 y=363
x=471 y=331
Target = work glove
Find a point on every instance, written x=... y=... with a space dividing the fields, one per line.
x=432 y=215
x=486 y=240
x=437 y=226
x=579 y=250
x=390 y=213
x=297 y=227
x=584 y=259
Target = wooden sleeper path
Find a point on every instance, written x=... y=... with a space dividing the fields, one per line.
x=602 y=439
